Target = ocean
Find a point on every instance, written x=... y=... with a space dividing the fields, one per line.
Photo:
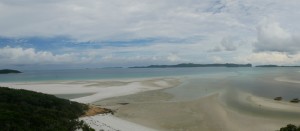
x=112 y=73
x=266 y=82
x=208 y=98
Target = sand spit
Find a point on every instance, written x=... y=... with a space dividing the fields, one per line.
x=271 y=104
x=112 y=123
x=210 y=113
x=96 y=89
x=92 y=91
x=95 y=110
x=285 y=79
x=152 y=108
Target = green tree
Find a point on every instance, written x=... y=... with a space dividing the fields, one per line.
x=290 y=127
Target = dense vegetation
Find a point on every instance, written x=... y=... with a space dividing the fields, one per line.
x=290 y=127
x=274 y=66
x=22 y=110
x=195 y=65
x=7 y=71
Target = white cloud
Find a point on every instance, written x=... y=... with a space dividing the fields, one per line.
x=173 y=57
x=108 y=56
x=279 y=58
x=226 y=44
x=190 y=28
x=272 y=37
x=114 y=19
x=18 y=55
x=217 y=48
x=217 y=59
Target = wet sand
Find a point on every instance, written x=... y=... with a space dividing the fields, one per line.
x=216 y=112
x=206 y=104
x=72 y=96
x=93 y=90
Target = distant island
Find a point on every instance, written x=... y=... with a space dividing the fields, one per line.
x=274 y=66
x=8 y=71
x=194 y=65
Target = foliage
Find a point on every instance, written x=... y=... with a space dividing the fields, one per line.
x=7 y=71
x=195 y=65
x=27 y=110
x=290 y=127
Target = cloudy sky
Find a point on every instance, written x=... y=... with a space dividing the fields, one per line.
x=100 y=33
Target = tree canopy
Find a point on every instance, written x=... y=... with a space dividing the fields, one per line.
x=290 y=127
x=8 y=71
x=27 y=110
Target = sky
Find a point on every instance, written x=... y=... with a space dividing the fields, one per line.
x=44 y=34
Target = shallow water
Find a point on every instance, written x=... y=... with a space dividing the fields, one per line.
x=185 y=107
x=190 y=106
x=198 y=82
x=108 y=73
x=72 y=96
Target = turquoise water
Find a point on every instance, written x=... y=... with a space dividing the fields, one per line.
x=200 y=81
x=257 y=81
x=111 y=73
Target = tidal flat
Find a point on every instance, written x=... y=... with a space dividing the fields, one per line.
x=213 y=103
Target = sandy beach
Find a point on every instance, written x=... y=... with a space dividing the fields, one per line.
x=285 y=79
x=144 y=104
x=95 y=90
x=209 y=113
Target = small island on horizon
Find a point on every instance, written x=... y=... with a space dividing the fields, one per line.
x=194 y=65
x=9 y=71
x=274 y=66
x=211 y=65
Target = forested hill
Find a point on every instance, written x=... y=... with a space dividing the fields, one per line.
x=274 y=66
x=195 y=65
x=8 y=71
x=22 y=110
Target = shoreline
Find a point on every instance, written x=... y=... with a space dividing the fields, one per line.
x=210 y=113
x=96 y=90
x=285 y=79
x=143 y=104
